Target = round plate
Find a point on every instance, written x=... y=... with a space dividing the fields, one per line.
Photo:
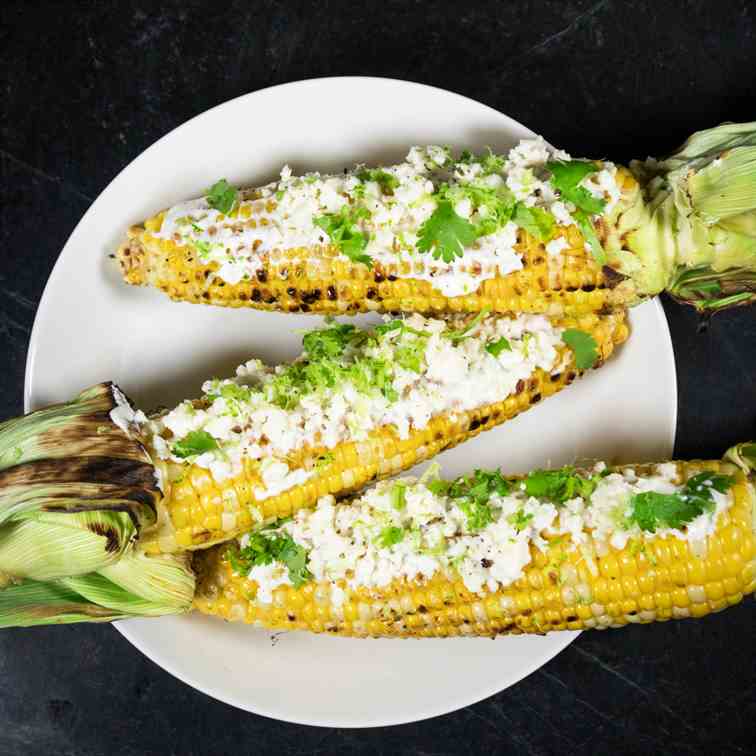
x=91 y=327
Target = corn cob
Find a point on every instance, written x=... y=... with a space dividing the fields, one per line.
x=329 y=284
x=601 y=237
x=197 y=511
x=562 y=588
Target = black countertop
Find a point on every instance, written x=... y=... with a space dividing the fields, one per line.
x=86 y=88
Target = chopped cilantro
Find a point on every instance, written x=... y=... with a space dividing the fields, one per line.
x=651 y=510
x=535 y=221
x=203 y=248
x=585 y=225
x=445 y=233
x=390 y=536
x=497 y=347
x=399 y=496
x=519 y=520
x=478 y=513
x=266 y=548
x=466 y=331
x=566 y=178
x=583 y=345
x=193 y=443
x=222 y=196
x=385 y=180
x=331 y=341
x=474 y=492
x=494 y=206
x=559 y=486
x=343 y=231
x=410 y=356
x=491 y=162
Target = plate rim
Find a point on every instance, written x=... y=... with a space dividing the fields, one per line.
x=124 y=627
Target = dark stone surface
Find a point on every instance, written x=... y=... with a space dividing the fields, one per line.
x=85 y=88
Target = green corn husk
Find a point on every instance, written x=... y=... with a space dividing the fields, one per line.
x=75 y=491
x=135 y=586
x=744 y=456
x=690 y=228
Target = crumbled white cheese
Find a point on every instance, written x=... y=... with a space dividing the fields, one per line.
x=282 y=215
x=429 y=533
x=449 y=376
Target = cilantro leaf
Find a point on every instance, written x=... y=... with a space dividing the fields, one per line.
x=473 y=493
x=222 y=196
x=344 y=233
x=558 y=486
x=497 y=347
x=478 y=513
x=445 y=233
x=651 y=510
x=491 y=162
x=463 y=333
x=265 y=548
x=194 y=443
x=583 y=345
x=585 y=225
x=387 y=181
x=519 y=520
x=535 y=221
x=566 y=177
x=390 y=536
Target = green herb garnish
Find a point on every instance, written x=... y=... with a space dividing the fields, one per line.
x=264 y=548
x=519 y=520
x=497 y=347
x=222 y=196
x=194 y=443
x=584 y=347
x=478 y=513
x=559 y=486
x=651 y=510
x=390 y=536
x=344 y=233
x=203 y=248
x=535 y=221
x=474 y=492
x=385 y=180
x=330 y=342
x=446 y=234
x=466 y=331
x=566 y=177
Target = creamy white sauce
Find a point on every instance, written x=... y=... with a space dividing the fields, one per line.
x=344 y=542
x=451 y=376
x=281 y=215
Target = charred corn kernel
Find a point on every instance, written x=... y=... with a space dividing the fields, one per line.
x=627 y=588
x=194 y=503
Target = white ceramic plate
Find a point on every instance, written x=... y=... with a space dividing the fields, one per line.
x=91 y=327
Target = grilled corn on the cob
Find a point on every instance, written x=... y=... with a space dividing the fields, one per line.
x=532 y=231
x=488 y=556
x=358 y=406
